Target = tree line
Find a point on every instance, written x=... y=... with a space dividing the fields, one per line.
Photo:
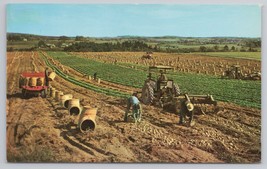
x=108 y=47
x=135 y=46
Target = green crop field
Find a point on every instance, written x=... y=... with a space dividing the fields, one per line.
x=106 y=71
x=245 y=93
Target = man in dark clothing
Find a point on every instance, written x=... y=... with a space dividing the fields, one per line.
x=186 y=109
x=46 y=77
x=95 y=74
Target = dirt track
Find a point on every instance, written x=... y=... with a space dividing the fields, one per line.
x=232 y=134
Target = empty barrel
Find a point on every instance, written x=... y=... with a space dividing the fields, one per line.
x=51 y=76
x=64 y=100
x=87 y=119
x=74 y=107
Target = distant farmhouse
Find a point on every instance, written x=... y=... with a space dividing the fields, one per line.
x=50 y=45
x=63 y=45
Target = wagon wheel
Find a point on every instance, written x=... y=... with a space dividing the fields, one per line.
x=147 y=94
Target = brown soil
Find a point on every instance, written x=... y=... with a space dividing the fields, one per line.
x=231 y=134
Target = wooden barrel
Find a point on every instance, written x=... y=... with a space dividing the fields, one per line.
x=53 y=92
x=74 y=107
x=33 y=81
x=58 y=94
x=26 y=81
x=40 y=81
x=64 y=100
x=87 y=119
x=52 y=76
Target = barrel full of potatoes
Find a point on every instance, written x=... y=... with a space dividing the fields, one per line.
x=74 y=107
x=87 y=119
x=40 y=81
x=33 y=81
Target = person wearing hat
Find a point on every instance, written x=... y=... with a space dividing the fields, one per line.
x=161 y=79
x=186 y=108
x=133 y=102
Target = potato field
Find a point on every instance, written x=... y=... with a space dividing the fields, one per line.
x=40 y=129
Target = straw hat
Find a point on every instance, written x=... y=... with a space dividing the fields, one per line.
x=189 y=106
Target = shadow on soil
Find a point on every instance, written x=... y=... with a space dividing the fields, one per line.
x=15 y=95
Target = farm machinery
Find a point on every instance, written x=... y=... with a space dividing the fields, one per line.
x=163 y=91
x=148 y=55
x=234 y=72
x=34 y=83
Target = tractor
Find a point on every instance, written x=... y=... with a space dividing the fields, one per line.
x=159 y=89
x=233 y=72
x=163 y=91
x=148 y=55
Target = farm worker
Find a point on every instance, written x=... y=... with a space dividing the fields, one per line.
x=95 y=74
x=186 y=109
x=133 y=102
x=46 y=77
x=161 y=78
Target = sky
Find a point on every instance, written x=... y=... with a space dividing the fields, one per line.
x=111 y=20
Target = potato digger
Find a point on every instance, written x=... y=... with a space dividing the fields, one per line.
x=162 y=91
x=234 y=72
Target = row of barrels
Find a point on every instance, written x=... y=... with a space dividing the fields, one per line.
x=35 y=81
x=31 y=81
x=87 y=114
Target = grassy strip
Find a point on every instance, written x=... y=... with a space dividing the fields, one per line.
x=84 y=84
